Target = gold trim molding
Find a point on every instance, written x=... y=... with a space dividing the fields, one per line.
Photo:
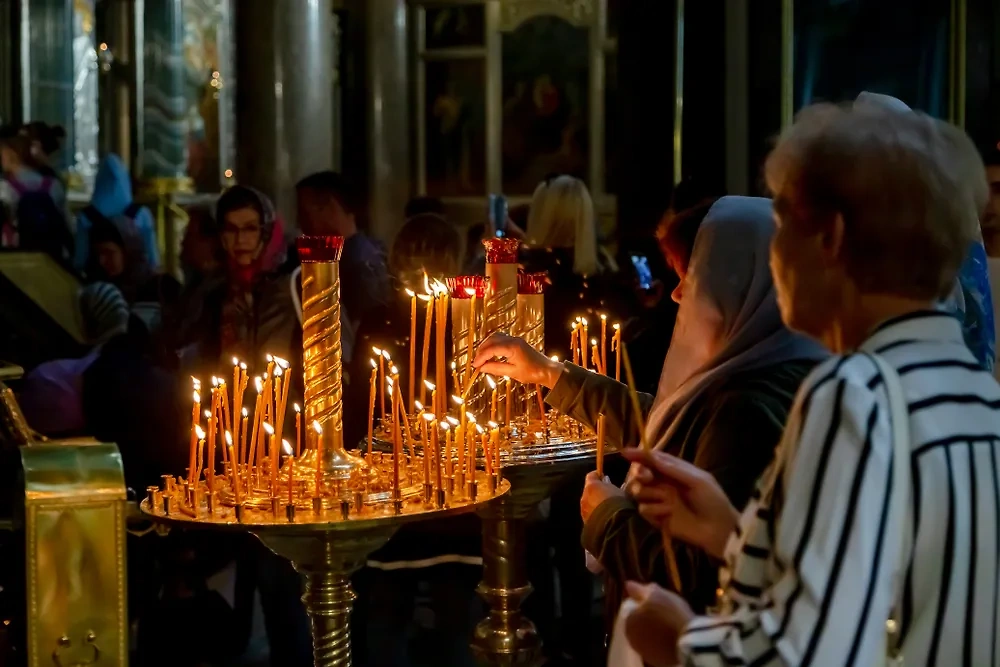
x=581 y=13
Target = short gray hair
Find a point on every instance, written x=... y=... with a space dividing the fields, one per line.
x=909 y=188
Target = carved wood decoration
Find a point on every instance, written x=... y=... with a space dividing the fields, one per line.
x=581 y=13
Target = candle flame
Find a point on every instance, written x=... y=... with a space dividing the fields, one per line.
x=243 y=365
x=199 y=432
x=196 y=396
x=317 y=427
x=506 y=378
x=480 y=429
x=394 y=370
x=453 y=365
x=555 y=357
x=458 y=400
x=286 y=447
x=269 y=358
x=390 y=388
x=282 y=363
x=430 y=385
x=603 y=316
x=427 y=285
x=245 y=413
x=490 y=381
x=445 y=426
x=572 y=327
x=215 y=381
x=583 y=321
x=593 y=341
x=259 y=384
x=424 y=297
x=195 y=381
x=616 y=326
x=377 y=351
x=452 y=420
x=277 y=372
x=593 y=370
x=419 y=405
x=236 y=362
x=385 y=353
x=229 y=438
x=470 y=291
x=493 y=425
x=208 y=413
x=296 y=407
x=374 y=365
x=410 y=293
x=471 y=417
x=429 y=417
x=268 y=428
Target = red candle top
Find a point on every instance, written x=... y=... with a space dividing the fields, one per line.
x=313 y=249
x=501 y=251
x=532 y=283
x=459 y=284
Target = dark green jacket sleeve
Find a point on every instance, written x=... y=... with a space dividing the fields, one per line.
x=733 y=437
x=584 y=395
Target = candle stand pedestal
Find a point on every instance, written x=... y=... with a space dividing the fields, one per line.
x=506 y=636
x=324 y=544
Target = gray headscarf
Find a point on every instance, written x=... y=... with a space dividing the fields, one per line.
x=728 y=275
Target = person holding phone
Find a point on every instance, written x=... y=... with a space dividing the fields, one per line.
x=726 y=386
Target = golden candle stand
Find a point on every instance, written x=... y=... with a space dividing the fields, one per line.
x=326 y=536
x=534 y=463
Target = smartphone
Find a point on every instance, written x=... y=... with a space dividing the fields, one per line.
x=644 y=275
x=498 y=215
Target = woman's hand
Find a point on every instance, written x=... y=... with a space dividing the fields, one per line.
x=506 y=356
x=683 y=499
x=652 y=629
x=596 y=491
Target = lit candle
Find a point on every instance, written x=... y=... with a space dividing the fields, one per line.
x=487 y=454
x=447 y=449
x=428 y=452
x=237 y=383
x=269 y=385
x=437 y=449
x=195 y=419
x=472 y=332
x=596 y=355
x=433 y=388
x=381 y=382
x=495 y=447
x=600 y=445
x=298 y=429
x=470 y=447
x=291 y=471
x=572 y=341
x=604 y=343
x=272 y=453
x=396 y=445
x=252 y=456
x=371 y=409
x=319 y=456
x=541 y=409
x=428 y=321
x=241 y=439
x=224 y=404
x=493 y=402
x=460 y=402
x=506 y=400
x=454 y=377
x=616 y=345
x=285 y=383
x=413 y=343
x=583 y=342
x=442 y=322
x=237 y=490
x=201 y=450
x=210 y=471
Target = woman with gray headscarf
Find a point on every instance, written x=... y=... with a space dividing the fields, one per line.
x=726 y=387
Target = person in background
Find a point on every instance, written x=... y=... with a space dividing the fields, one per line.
x=827 y=552
x=970 y=299
x=991 y=231
x=51 y=395
x=201 y=252
x=251 y=313
x=115 y=237
x=326 y=205
x=46 y=142
x=34 y=204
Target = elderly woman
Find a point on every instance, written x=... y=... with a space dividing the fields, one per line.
x=875 y=211
x=725 y=390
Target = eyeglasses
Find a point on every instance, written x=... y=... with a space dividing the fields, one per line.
x=237 y=232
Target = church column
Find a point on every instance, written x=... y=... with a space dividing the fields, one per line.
x=284 y=81
x=388 y=114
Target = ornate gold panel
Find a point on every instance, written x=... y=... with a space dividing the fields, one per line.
x=581 y=13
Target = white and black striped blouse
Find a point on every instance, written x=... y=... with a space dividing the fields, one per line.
x=809 y=577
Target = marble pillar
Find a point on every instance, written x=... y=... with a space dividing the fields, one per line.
x=284 y=95
x=164 y=149
x=387 y=85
